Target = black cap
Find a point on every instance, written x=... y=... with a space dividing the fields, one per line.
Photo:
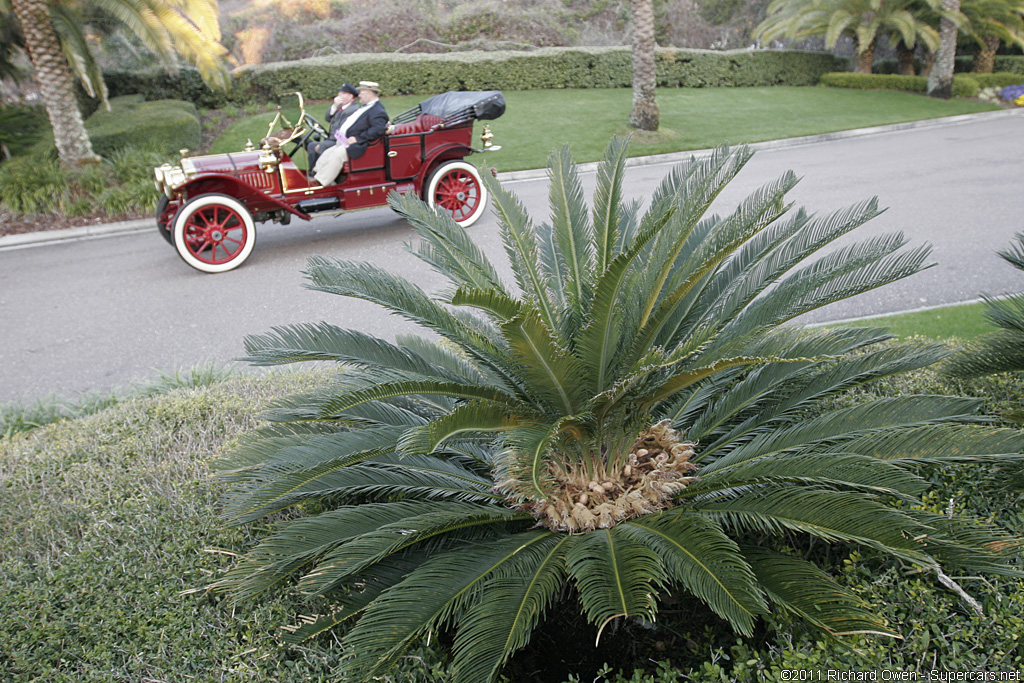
x=350 y=89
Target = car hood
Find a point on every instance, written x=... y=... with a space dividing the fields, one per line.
x=233 y=163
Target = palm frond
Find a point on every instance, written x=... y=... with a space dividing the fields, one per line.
x=829 y=515
x=573 y=235
x=608 y=209
x=804 y=590
x=440 y=590
x=938 y=443
x=700 y=558
x=616 y=576
x=840 y=469
x=414 y=523
x=520 y=239
x=845 y=423
x=512 y=602
x=446 y=246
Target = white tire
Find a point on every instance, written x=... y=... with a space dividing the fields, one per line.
x=456 y=188
x=214 y=233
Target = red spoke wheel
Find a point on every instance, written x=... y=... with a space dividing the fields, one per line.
x=456 y=188
x=214 y=233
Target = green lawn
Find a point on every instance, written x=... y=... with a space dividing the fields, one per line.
x=965 y=321
x=537 y=121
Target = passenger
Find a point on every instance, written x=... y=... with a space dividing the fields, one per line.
x=367 y=124
x=345 y=104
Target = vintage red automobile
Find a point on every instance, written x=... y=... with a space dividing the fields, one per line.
x=210 y=204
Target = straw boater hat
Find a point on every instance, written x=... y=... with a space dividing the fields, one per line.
x=369 y=85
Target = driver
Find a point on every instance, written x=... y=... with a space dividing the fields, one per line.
x=354 y=135
x=345 y=104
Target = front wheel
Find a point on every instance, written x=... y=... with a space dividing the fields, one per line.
x=165 y=231
x=214 y=233
x=457 y=189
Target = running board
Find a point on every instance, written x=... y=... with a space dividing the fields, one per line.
x=310 y=206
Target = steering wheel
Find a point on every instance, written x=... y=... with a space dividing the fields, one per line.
x=314 y=132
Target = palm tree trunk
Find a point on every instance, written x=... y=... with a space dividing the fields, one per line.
x=905 y=58
x=985 y=59
x=940 y=80
x=645 y=115
x=865 y=58
x=56 y=83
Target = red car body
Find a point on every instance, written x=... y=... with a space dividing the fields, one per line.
x=212 y=203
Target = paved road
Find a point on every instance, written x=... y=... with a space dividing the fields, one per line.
x=98 y=313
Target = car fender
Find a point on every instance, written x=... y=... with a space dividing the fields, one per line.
x=233 y=187
x=446 y=152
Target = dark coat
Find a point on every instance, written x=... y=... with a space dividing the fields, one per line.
x=335 y=120
x=367 y=128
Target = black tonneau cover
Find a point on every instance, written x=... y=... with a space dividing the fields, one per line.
x=458 y=106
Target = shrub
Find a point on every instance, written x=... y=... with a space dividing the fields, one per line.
x=21 y=128
x=164 y=125
x=998 y=80
x=963 y=85
x=39 y=184
x=318 y=77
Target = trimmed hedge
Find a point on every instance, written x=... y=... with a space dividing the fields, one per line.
x=547 y=68
x=165 y=125
x=999 y=79
x=963 y=85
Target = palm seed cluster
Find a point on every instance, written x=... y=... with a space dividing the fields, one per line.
x=657 y=467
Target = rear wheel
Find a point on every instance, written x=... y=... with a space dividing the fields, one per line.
x=214 y=233
x=457 y=189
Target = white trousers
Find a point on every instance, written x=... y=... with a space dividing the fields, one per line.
x=329 y=165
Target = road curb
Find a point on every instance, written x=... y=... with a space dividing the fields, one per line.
x=124 y=227
x=31 y=239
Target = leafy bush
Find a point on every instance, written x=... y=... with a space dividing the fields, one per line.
x=164 y=125
x=39 y=184
x=963 y=85
x=998 y=80
x=20 y=129
x=532 y=461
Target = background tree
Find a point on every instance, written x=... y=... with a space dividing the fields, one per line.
x=862 y=20
x=57 y=40
x=990 y=23
x=645 y=114
x=940 y=79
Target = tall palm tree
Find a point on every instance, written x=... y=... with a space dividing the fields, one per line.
x=58 y=47
x=940 y=78
x=56 y=82
x=862 y=20
x=632 y=416
x=990 y=23
x=645 y=114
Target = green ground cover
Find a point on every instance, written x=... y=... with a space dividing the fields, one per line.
x=691 y=118
x=110 y=531
x=966 y=321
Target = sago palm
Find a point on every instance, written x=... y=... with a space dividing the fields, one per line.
x=631 y=417
x=1003 y=350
